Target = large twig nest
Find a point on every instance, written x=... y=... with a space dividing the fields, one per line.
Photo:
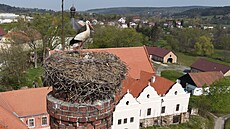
x=84 y=76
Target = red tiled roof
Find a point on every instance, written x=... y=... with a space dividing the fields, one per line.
x=2 y=32
x=205 y=66
x=9 y=120
x=160 y=52
x=136 y=86
x=205 y=78
x=25 y=102
x=135 y=57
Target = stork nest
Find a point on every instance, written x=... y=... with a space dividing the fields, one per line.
x=84 y=77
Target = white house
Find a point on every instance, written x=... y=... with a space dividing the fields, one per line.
x=143 y=106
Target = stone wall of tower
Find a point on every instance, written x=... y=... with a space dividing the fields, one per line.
x=67 y=115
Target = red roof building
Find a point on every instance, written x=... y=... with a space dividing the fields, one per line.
x=161 y=55
x=201 y=78
x=24 y=108
x=203 y=65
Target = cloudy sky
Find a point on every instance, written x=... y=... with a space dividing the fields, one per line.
x=82 y=5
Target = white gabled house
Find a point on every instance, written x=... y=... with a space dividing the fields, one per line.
x=143 y=106
x=127 y=113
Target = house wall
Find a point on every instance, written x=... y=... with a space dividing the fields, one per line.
x=176 y=95
x=126 y=108
x=170 y=55
x=196 y=90
x=150 y=100
x=156 y=58
x=38 y=121
x=227 y=73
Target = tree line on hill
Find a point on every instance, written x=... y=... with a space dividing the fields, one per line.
x=9 y=9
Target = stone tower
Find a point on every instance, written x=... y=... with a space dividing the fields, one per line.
x=84 y=86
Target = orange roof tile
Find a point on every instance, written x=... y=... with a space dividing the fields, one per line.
x=135 y=57
x=25 y=102
x=9 y=120
x=136 y=86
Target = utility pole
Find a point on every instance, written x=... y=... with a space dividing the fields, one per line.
x=62 y=37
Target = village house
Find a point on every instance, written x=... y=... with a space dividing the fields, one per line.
x=202 y=65
x=161 y=54
x=196 y=83
x=23 y=109
x=145 y=99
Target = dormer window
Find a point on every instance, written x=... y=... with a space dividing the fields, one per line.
x=127 y=102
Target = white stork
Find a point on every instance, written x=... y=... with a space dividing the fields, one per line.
x=81 y=37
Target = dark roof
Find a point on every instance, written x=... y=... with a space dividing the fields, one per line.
x=161 y=52
x=205 y=66
x=2 y=32
x=205 y=78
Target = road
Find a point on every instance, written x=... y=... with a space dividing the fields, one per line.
x=159 y=67
x=219 y=122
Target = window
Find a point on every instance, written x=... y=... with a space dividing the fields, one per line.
x=175 y=93
x=177 y=107
x=127 y=102
x=148 y=95
x=176 y=119
x=125 y=120
x=31 y=122
x=119 y=121
x=163 y=109
x=44 y=120
x=149 y=111
x=131 y=119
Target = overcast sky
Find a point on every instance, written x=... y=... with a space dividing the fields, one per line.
x=82 y=5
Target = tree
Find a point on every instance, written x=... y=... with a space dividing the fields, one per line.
x=49 y=26
x=30 y=36
x=204 y=46
x=14 y=62
x=111 y=36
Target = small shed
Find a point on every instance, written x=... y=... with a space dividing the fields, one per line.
x=195 y=82
x=162 y=55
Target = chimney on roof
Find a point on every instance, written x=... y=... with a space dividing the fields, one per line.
x=153 y=78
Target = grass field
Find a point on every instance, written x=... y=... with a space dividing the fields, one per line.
x=188 y=60
x=227 y=124
x=32 y=75
x=171 y=74
x=195 y=122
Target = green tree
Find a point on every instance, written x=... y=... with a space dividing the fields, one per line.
x=14 y=64
x=111 y=36
x=204 y=46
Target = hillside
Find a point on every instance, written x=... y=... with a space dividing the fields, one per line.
x=152 y=11
x=9 y=9
x=205 y=12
